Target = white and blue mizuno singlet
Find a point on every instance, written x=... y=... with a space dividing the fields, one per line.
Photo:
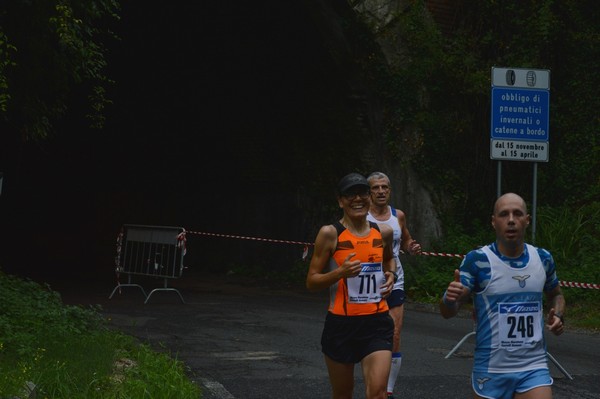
x=397 y=240
x=508 y=298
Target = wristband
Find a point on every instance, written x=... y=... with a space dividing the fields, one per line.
x=395 y=277
x=560 y=316
x=448 y=303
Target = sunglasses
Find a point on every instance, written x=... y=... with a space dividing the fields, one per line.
x=362 y=193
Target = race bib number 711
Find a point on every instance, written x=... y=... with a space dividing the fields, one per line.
x=364 y=288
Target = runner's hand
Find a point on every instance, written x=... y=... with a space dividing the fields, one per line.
x=350 y=268
x=386 y=287
x=554 y=323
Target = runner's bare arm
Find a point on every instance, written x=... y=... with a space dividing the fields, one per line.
x=556 y=301
x=408 y=244
x=317 y=278
x=389 y=263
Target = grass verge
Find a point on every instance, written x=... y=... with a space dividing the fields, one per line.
x=65 y=351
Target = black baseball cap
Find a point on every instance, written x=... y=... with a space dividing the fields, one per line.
x=352 y=180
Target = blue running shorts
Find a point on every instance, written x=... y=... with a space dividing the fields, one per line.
x=504 y=385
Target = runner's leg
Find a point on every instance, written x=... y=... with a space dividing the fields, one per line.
x=341 y=377
x=376 y=368
x=397 y=314
x=544 y=392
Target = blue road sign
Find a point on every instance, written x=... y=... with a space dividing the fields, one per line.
x=520 y=114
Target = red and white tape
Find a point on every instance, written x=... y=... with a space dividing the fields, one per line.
x=441 y=254
x=304 y=252
x=307 y=244
x=247 y=238
x=181 y=241
x=580 y=285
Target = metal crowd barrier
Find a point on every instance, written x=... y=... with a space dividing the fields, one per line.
x=154 y=251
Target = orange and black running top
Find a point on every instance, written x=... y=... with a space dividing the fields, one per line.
x=360 y=295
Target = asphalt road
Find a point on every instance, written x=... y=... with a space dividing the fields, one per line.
x=254 y=341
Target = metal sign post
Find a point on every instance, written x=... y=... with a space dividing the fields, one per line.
x=520 y=121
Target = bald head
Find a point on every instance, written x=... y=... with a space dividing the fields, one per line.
x=510 y=220
x=511 y=198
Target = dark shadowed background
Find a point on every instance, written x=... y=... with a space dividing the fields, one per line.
x=208 y=98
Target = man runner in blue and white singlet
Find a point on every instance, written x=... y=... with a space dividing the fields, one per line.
x=508 y=279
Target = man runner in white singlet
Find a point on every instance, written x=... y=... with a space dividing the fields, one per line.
x=381 y=212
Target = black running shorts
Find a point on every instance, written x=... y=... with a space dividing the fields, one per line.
x=348 y=339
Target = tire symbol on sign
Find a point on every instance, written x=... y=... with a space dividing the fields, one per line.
x=510 y=77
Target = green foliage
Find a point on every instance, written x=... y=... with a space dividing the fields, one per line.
x=574 y=120
x=573 y=238
x=51 y=52
x=564 y=232
x=69 y=352
x=440 y=88
x=437 y=99
x=427 y=276
x=154 y=375
x=39 y=309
